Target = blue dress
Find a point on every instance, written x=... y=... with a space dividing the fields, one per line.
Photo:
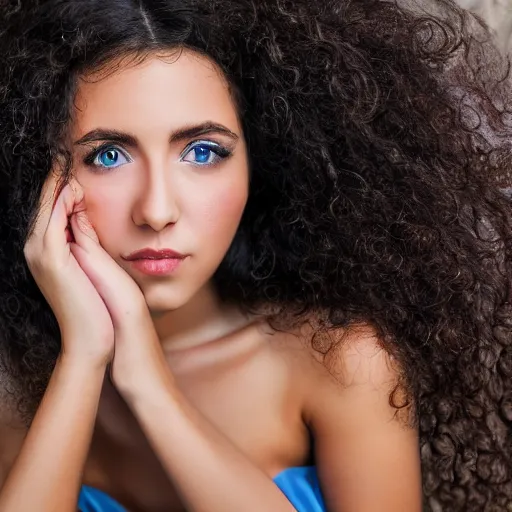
x=300 y=485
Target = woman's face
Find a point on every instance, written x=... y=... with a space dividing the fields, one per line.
x=160 y=154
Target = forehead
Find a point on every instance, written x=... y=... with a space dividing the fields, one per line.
x=166 y=90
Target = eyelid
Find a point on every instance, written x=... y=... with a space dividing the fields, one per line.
x=221 y=150
x=91 y=156
x=209 y=143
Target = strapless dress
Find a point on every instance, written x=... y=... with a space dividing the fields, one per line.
x=300 y=485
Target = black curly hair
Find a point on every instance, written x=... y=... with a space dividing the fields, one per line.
x=379 y=140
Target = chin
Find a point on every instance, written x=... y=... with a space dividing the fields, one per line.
x=163 y=299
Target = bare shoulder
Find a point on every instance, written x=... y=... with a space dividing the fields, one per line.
x=361 y=440
x=359 y=358
x=344 y=370
x=341 y=359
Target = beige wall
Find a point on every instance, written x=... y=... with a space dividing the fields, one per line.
x=498 y=14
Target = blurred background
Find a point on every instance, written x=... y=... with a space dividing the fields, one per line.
x=498 y=14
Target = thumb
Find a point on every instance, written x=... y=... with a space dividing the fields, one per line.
x=80 y=223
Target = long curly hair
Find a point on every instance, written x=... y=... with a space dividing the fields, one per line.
x=380 y=151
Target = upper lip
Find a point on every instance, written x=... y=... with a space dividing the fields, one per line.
x=154 y=254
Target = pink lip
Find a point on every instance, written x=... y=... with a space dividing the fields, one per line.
x=155 y=262
x=153 y=254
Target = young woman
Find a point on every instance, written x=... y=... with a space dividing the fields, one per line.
x=255 y=256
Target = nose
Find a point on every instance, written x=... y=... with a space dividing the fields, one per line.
x=156 y=206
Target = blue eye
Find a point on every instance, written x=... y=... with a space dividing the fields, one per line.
x=110 y=158
x=205 y=153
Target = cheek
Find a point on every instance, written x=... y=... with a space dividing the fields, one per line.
x=106 y=211
x=218 y=214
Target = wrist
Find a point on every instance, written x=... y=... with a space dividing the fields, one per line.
x=76 y=380
x=86 y=351
x=80 y=364
x=149 y=381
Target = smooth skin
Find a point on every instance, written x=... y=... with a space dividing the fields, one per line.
x=163 y=396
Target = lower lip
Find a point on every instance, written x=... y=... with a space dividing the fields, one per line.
x=160 y=267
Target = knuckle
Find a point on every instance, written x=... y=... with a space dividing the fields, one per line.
x=30 y=252
x=38 y=257
x=34 y=263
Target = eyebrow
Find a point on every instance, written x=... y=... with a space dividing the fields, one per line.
x=186 y=133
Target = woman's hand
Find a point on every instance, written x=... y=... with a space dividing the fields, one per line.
x=47 y=473
x=138 y=358
x=85 y=324
x=141 y=375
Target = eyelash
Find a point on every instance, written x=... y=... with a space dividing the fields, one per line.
x=221 y=151
x=91 y=157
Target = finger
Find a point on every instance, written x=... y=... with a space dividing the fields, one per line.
x=87 y=243
x=104 y=266
x=83 y=230
x=55 y=235
x=92 y=270
x=79 y=211
x=118 y=291
x=49 y=196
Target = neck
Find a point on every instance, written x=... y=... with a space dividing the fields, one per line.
x=203 y=319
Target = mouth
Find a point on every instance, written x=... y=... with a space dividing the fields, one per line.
x=155 y=262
